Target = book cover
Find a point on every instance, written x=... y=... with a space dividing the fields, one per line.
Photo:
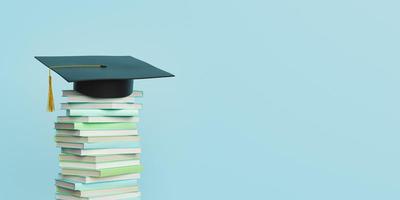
x=103 y=172
x=77 y=139
x=96 y=193
x=97 y=152
x=122 y=196
x=94 y=166
x=88 y=179
x=105 y=106
x=96 y=119
x=90 y=133
x=99 y=145
x=102 y=112
x=73 y=185
x=73 y=93
x=98 y=158
x=95 y=126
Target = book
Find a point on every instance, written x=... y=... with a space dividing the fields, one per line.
x=95 y=126
x=134 y=169
x=73 y=93
x=98 y=159
x=97 y=193
x=106 y=106
x=123 y=196
x=96 y=119
x=72 y=185
x=74 y=96
x=76 y=139
x=94 y=166
x=88 y=179
x=94 y=152
x=99 y=145
x=100 y=100
x=91 y=133
x=102 y=113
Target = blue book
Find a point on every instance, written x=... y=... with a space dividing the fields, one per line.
x=100 y=145
x=73 y=185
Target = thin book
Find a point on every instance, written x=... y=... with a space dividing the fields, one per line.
x=103 y=172
x=96 y=119
x=100 y=133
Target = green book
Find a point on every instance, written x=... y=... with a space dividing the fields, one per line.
x=134 y=169
x=95 y=126
x=103 y=113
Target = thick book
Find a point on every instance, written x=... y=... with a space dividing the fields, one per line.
x=99 y=145
x=75 y=139
x=134 y=169
x=95 y=152
x=97 y=159
x=94 y=166
x=91 y=133
x=123 y=196
x=72 y=185
x=102 y=113
x=97 y=193
x=95 y=126
x=106 y=106
x=96 y=119
x=88 y=179
x=73 y=93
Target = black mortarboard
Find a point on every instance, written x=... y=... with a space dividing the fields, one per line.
x=102 y=76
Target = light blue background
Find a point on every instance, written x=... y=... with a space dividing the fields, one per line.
x=280 y=100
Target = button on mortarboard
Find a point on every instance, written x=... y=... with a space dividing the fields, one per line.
x=102 y=76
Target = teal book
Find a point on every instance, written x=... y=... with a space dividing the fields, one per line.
x=99 y=145
x=103 y=113
x=73 y=185
x=84 y=126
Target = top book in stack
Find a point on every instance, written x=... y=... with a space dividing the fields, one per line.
x=73 y=96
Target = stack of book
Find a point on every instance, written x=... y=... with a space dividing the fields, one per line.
x=100 y=152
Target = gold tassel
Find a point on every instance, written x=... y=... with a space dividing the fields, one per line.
x=50 y=98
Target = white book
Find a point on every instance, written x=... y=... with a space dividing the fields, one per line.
x=79 y=165
x=88 y=179
x=100 y=100
x=98 y=145
x=125 y=196
x=96 y=119
x=111 y=105
x=98 y=159
x=97 y=193
x=93 y=152
x=102 y=113
x=96 y=133
x=73 y=93
x=74 y=139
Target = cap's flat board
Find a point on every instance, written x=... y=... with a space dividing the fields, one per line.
x=86 y=68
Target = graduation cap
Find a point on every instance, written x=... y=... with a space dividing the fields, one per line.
x=100 y=76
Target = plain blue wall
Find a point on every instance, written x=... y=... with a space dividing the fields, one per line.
x=282 y=100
